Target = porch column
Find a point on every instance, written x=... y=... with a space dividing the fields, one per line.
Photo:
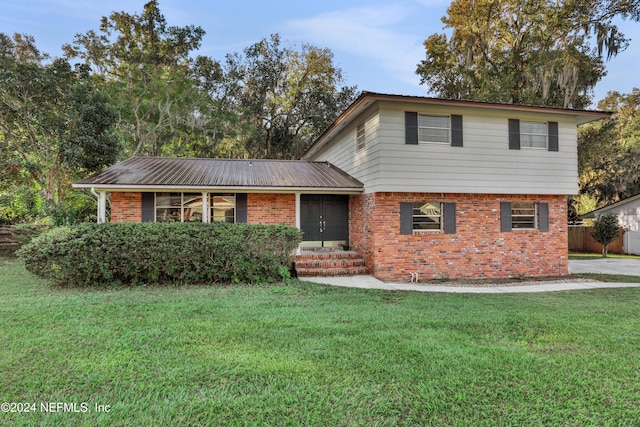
x=102 y=207
x=298 y=211
x=205 y=207
x=298 y=221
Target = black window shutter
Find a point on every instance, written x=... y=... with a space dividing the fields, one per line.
x=148 y=208
x=241 y=207
x=553 y=136
x=505 y=216
x=514 y=134
x=411 y=127
x=406 y=218
x=456 y=130
x=543 y=216
x=449 y=218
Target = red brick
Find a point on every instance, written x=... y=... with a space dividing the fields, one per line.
x=126 y=207
x=478 y=249
x=264 y=208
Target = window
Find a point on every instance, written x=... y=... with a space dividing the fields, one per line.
x=360 y=138
x=423 y=216
x=434 y=128
x=223 y=207
x=523 y=216
x=427 y=216
x=178 y=207
x=533 y=134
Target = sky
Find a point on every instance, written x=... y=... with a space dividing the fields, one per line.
x=376 y=44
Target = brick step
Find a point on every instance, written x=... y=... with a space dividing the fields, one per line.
x=311 y=272
x=330 y=263
x=327 y=255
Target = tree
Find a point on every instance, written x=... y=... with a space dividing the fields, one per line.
x=608 y=150
x=54 y=124
x=288 y=96
x=533 y=51
x=145 y=65
x=605 y=231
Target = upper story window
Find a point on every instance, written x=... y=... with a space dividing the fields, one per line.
x=526 y=134
x=433 y=128
x=361 y=142
x=533 y=134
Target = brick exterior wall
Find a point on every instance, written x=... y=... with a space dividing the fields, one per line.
x=265 y=208
x=126 y=207
x=478 y=249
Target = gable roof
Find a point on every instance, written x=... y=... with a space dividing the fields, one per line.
x=179 y=174
x=613 y=206
x=366 y=99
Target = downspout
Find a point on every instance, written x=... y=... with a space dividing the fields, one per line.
x=102 y=206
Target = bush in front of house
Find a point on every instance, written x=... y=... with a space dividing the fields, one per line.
x=141 y=253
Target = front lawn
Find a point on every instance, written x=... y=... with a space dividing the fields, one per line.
x=302 y=354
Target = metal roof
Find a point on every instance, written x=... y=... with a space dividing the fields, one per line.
x=161 y=172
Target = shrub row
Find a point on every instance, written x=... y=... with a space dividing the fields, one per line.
x=141 y=253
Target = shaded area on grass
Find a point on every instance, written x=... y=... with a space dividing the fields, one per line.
x=301 y=354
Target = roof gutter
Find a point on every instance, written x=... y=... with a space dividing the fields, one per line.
x=228 y=189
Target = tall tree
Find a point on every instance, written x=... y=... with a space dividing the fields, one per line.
x=288 y=95
x=54 y=124
x=146 y=67
x=542 y=52
x=609 y=151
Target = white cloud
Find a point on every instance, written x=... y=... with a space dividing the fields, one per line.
x=372 y=34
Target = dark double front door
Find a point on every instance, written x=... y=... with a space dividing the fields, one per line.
x=324 y=218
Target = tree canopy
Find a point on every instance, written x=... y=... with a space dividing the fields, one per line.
x=609 y=151
x=55 y=125
x=141 y=89
x=538 y=52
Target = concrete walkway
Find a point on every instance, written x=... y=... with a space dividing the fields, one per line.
x=629 y=267
x=626 y=266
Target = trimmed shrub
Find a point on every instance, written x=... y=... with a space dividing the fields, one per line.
x=605 y=231
x=141 y=253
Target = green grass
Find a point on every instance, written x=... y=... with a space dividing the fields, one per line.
x=303 y=354
x=614 y=278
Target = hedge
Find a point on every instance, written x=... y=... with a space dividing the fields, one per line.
x=142 y=253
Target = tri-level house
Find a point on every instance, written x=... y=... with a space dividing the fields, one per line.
x=413 y=185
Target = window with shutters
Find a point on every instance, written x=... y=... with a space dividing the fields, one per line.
x=524 y=216
x=533 y=135
x=433 y=128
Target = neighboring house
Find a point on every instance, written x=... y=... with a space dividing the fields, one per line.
x=628 y=212
x=441 y=188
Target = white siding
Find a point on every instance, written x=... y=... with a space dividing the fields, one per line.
x=485 y=164
x=362 y=165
